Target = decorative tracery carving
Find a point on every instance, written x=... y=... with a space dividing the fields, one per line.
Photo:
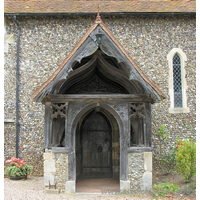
x=137 y=109
x=59 y=109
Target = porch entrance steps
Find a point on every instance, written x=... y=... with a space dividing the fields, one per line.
x=97 y=185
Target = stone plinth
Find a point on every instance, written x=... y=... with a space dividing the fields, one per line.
x=140 y=171
x=55 y=169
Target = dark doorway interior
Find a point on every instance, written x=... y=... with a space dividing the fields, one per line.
x=97 y=145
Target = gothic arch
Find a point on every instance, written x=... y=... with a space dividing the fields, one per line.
x=110 y=113
x=92 y=106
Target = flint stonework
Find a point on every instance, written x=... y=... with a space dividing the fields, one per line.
x=45 y=43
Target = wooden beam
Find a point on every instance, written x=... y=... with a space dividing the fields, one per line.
x=148 y=123
x=62 y=98
x=48 y=124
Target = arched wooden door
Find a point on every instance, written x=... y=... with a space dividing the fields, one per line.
x=96 y=146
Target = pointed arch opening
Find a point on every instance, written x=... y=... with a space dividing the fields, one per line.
x=177 y=81
x=97 y=146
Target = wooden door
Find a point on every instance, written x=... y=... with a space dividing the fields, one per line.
x=96 y=146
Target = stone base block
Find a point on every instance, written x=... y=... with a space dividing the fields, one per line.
x=48 y=177
x=70 y=187
x=148 y=161
x=124 y=185
x=49 y=166
x=147 y=181
x=48 y=156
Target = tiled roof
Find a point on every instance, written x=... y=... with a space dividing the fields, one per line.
x=98 y=22
x=90 y=6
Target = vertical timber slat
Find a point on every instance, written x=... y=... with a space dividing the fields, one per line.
x=48 y=124
x=124 y=140
x=148 y=123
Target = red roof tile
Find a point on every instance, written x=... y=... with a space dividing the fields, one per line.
x=90 y=6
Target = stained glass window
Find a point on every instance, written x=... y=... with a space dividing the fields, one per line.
x=177 y=81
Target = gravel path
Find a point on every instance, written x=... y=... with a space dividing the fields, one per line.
x=33 y=188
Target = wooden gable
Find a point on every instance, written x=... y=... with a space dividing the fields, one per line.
x=110 y=46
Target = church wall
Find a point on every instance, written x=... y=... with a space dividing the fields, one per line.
x=46 y=41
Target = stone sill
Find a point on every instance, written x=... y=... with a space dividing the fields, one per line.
x=179 y=110
x=139 y=149
x=9 y=120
